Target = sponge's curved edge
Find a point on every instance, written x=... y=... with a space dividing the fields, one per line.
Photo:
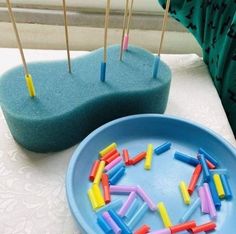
x=57 y=132
x=67 y=130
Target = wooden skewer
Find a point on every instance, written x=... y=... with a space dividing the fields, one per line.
x=164 y=26
x=157 y=58
x=26 y=71
x=130 y=16
x=66 y=35
x=28 y=78
x=104 y=63
x=106 y=27
x=124 y=27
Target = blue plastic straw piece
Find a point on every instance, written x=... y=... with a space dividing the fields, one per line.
x=115 y=228
x=138 y=216
x=205 y=169
x=227 y=189
x=208 y=157
x=114 y=179
x=200 y=181
x=104 y=225
x=125 y=229
x=103 y=72
x=189 y=212
x=220 y=171
x=155 y=68
x=132 y=210
x=214 y=194
x=114 y=205
x=186 y=159
x=162 y=148
x=114 y=170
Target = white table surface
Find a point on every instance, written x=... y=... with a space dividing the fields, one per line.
x=32 y=186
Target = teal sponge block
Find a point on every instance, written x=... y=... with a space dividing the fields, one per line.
x=67 y=107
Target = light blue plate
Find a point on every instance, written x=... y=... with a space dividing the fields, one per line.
x=161 y=183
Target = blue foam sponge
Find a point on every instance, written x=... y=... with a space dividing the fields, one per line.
x=67 y=107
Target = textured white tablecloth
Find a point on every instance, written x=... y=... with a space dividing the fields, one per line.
x=32 y=186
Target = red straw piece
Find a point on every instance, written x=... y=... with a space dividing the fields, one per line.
x=126 y=157
x=106 y=188
x=142 y=230
x=93 y=171
x=183 y=227
x=204 y=228
x=130 y=162
x=138 y=158
x=109 y=154
x=111 y=158
x=210 y=165
x=194 y=178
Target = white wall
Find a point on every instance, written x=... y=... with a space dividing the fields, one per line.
x=43 y=29
x=139 y=5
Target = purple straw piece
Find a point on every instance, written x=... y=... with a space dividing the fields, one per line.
x=122 y=189
x=112 y=164
x=127 y=204
x=132 y=210
x=146 y=198
x=163 y=231
x=111 y=223
x=204 y=203
x=211 y=205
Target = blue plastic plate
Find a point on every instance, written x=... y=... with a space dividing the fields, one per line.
x=161 y=182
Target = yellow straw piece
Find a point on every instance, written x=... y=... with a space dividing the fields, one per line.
x=219 y=186
x=92 y=199
x=98 y=176
x=184 y=192
x=107 y=149
x=164 y=215
x=148 y=160
x=30 y=85
x=98 y=195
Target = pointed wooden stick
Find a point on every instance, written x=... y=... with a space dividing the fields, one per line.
x=165 y=19
x=26 y=71
x=106 y=27
x=66 y=35
x=130 y=16
x=157 y=57
x=124 y=27
x=28 y=78
x=104 y=63
x=126 y=38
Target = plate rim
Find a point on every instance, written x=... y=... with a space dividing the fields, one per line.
x=80 y=221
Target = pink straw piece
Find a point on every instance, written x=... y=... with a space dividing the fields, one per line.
x=126 y=42
x=122 y=189
x=146 y=198
x=112 y=164
x=211 y=205
x=127 y=204
x=204 y=203
x=163 y=231
x=111 y=223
